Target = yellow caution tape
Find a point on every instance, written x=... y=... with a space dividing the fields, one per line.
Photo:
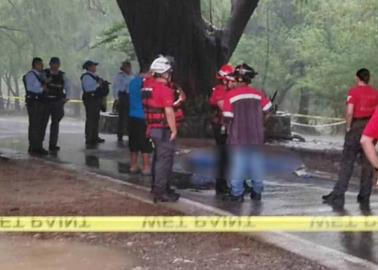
x=190 y=224
x=13 y=98
x=316 y=117
x=319 y=125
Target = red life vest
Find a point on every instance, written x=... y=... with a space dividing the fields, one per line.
x=156 y=96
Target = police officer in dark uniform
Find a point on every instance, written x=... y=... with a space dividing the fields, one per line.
x=35 y=87
x=56 y=96
x=94 y=90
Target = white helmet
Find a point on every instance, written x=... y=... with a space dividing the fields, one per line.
x=161 y=65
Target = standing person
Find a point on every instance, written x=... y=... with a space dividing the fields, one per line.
x=216 y=101
x=361 y=103
x=35 y=87
x=58 y=88
x=244 y=111
x=158 y=101
x=121 y=95
x=368 y=141
x=138 y=141
x=94 y=90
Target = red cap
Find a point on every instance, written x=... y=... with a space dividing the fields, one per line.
x=225 y=72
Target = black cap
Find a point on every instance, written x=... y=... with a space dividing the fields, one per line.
x=244 y=73
x=54 y=60
x=89 y=63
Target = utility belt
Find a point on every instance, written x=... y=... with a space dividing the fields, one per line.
x=90 y=95
x=362 y=119
x=31 y=96
x=359 y=123
x=50 y=98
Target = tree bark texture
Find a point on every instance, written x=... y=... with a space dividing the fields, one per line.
x=177 y=28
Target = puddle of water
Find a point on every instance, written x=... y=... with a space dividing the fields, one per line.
x=27 y=253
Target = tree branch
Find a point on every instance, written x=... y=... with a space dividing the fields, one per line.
x=9 y=28
x=241 y=12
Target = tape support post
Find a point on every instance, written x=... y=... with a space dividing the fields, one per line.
x=190 y=224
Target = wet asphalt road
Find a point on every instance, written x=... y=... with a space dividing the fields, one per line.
x=284 y=194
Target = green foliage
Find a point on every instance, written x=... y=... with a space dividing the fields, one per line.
x=68 y=29
x=216 y=12
x=117 y=38
x=297 y=46
x=315 y=46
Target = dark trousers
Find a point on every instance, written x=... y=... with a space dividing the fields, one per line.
x=352 y=149
x=222 y=155
x=37 y=111
x=92 y=112
x=55 y=110
x=138 y=141
x=162 y=164
x=123 y=113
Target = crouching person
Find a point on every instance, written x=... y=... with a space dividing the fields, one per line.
x=244 y=111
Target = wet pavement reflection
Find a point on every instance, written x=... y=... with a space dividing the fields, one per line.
x=285 y=194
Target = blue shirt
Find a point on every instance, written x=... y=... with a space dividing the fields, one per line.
x=88 y=83
x=135 y=93
x=121 y=83
x=32 y=83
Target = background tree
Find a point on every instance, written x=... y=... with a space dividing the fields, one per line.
x=68 y=29
x=177 y=28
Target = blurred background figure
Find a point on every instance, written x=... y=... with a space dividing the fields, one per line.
x=94 y=90
x=121 y=96
x=138 y=141
x=35 y=86
x=220 y=134
x=58 y=89
x=244 y=110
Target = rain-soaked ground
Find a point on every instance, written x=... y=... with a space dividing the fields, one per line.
x=285 y=194
x=18 y=252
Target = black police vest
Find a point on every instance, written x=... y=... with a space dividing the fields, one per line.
x=55 y=84
x=101 y=91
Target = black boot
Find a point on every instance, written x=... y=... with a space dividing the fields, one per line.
x=221 y=187
x=336 y=200
x=255 y=196
x=99 y=140
x=54 y=148
x=231 y=198
x=364 y=202
x=166 y=198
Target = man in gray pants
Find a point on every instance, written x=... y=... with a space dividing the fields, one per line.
x=158 y=101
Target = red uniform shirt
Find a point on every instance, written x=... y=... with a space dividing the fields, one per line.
x=218 y=94
x=371 y=129
x=364 y=99
x=243 y=111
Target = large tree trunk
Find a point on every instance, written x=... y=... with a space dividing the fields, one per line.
x=2 y=107
x=176 y=28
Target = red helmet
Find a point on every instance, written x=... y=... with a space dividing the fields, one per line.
x=225 y=72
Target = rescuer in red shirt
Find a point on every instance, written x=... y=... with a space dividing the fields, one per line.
x=361 y=104
x=216 y=102
x=158 y=100
x=368 y=141
x=244 y=111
